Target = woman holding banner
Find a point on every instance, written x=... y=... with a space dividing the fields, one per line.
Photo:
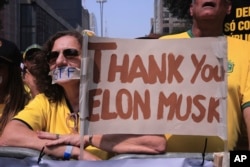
x=56 y=110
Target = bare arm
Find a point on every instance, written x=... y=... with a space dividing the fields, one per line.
x=17 y=134
x=118 y=143
x=125 y=143
x=246 y=114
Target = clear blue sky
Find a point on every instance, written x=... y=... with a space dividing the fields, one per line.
x=123 y=18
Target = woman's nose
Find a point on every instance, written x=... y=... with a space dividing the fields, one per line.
x=61 y=59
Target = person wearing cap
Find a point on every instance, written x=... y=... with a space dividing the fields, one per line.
x=13 y=96
x=28 y=78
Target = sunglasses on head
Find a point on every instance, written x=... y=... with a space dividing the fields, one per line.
x=68 y=53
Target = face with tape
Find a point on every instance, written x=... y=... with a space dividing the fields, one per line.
x=65 y=60
x=65 y=74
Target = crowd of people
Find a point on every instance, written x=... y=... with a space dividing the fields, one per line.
x=55 y=109
x=38 y=111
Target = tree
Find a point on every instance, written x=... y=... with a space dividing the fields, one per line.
x=178 y=8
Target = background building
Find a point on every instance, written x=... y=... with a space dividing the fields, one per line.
x=93 y=23
x=10 y=19
x=69 y=10
x=26 y=22
x=33 y=21
x=163 y=21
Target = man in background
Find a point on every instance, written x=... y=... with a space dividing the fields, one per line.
x=208 y=18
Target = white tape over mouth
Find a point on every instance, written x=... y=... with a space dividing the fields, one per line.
x=64 y=74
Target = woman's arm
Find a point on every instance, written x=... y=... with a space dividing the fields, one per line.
x=17 y=134
x=118 y=143
x=130 y=143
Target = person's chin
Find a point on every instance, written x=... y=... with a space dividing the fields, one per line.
x=209 y=16
x=209 y=12
x=68 y=81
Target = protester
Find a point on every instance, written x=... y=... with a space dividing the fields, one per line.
x=208 y=17
x=12 y=93
x=28 y=58
x=56 y=110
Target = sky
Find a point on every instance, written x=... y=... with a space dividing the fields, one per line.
x=123 y=18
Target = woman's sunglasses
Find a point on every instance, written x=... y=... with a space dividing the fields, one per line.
x=68 y=53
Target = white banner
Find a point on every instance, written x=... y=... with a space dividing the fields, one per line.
x=153 y=86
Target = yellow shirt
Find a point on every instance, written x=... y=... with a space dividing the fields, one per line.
x=40 y=114
x=238 y=99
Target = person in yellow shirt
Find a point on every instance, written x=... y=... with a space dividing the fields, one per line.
x=28 y=58
x=208 y=22
x=13 y=96
x=55 y=110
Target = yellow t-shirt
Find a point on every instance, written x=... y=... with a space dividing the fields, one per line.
x=238 y=99
x=40 y=114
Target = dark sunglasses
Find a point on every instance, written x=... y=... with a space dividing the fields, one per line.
x=68 y=53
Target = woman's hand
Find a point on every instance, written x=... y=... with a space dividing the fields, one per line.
x=67 y=139
x=57 y=151
x=30 y=81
